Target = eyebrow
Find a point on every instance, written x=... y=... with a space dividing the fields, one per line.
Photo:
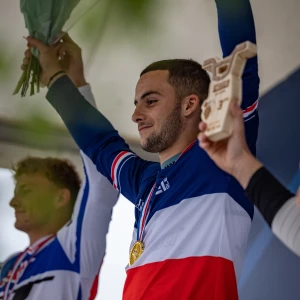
x=148 y=93
x=20 y=187
x=25 y=185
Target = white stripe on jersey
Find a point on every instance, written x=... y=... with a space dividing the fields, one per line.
x=115 y=166
x=209 y=225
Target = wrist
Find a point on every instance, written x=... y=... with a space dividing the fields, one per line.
x=79 y=82
x=56 y=75
x=244 y=168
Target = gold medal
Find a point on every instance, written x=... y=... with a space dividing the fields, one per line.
x=135 y=252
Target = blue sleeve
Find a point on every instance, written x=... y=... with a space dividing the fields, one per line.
x=97 y=138
x=236 y=25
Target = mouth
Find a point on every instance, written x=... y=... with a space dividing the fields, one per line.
x=19 y=212
x=144 y=127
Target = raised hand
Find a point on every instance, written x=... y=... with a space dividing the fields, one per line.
x=63 y=56
x=232 y=155
x=70 y=58
x=48 y=60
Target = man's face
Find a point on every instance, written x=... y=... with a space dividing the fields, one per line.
x=33 y=202
x=157 y=112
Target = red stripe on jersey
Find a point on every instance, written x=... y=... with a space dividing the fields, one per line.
x=193 y=278
x=250 y=108
x=114 y=164
x=94 y=289
x=187 y=149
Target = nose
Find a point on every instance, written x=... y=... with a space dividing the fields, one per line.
x=138 y=115
x=14 y=202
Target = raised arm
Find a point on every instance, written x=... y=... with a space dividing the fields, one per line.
x=236 y=25
x=92 y=132
x=84 y=238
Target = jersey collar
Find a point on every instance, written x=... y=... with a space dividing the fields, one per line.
x=176 y=157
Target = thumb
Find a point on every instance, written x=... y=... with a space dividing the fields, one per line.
x=62 y=49
x=37 y=44
x=67 y=38
x=237 y=115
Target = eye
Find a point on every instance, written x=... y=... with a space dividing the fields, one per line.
x=151 y=102
x=25 y=191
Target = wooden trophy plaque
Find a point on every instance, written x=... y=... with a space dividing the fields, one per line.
x=226 y=85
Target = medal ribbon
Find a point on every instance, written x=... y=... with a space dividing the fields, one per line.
x=147 y=206
x=31 y=251
x=144 y=215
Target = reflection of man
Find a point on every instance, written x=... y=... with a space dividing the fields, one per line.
x=62 y=261
x=192 y=219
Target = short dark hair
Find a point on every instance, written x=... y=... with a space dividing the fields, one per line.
x=59 y=171
x=185 y=75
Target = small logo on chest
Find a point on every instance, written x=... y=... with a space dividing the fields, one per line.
x=164 y=185
x=139 y=205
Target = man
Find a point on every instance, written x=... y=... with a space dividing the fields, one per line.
x=64 y=256
x=192 y=219
x=275 y=202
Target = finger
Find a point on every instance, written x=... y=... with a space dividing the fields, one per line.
x=66 y=38
x=205 y=145
x=237 y=114
x=202 y=138
x=60 y=51
x=24 y=67
x=37 y=44
x=26 y=60
x=63 y=49
x=236 y=111
x=27 y=53
x=202 y=126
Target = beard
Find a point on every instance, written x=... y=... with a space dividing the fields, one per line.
x=170 y=130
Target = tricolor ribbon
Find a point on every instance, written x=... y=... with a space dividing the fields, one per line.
x=144 y=215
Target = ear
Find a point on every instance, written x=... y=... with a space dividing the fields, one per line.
x=63 y=198
x=190 y=104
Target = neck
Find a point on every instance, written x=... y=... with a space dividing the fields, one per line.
x=50 y=229
x=35 y=236
x=184 y=140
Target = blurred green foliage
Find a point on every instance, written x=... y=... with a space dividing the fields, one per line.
x=38 y=129
x=5 y=63
x=93 y=18
x=135 y=12
x=123 y=16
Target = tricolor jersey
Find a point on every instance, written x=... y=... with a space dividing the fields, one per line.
x=197 y=230
x=196 y=234
x=65 y=266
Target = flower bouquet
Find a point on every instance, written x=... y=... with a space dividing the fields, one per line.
x=44 y=20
